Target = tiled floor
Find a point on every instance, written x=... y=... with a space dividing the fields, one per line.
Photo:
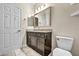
x=19 y=52
x=27 y=51
x=30 y=52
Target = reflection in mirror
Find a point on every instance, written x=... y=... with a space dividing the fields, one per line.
x=44 y=17
x=32 y=21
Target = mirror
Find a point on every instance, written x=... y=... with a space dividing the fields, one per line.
x=44 y=17
x=30 y=21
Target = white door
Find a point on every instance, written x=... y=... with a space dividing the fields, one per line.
x=1 y=29
x=12 y=17
x=15 y=27
x=7 y=29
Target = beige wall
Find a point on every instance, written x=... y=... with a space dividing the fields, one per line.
x=65 y=25
x=27 y=10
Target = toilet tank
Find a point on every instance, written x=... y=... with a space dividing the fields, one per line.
x=64 y=42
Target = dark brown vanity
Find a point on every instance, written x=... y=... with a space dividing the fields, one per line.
x=40 y=42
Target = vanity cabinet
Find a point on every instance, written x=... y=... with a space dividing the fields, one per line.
x=40 y=42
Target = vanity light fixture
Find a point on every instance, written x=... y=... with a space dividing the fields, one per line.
x=41 y=8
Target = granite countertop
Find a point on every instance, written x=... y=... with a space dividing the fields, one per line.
x=39 y=30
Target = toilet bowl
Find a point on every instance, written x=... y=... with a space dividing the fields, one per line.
x=64 y=45
x=61 y=52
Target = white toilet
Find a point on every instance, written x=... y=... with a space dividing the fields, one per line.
x=64 y=46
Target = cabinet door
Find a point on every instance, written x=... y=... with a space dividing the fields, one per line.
x=28 y=39
x=33 y=41
x=41 y=44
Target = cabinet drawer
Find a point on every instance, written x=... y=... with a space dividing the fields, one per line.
x=40 y=35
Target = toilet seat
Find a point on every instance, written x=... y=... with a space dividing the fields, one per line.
x=61 y=52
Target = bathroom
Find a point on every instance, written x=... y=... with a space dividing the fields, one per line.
x=58 y=19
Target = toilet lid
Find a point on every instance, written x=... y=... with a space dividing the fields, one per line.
x=61 y=52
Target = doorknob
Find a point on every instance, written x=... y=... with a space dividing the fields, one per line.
x=18 y=30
